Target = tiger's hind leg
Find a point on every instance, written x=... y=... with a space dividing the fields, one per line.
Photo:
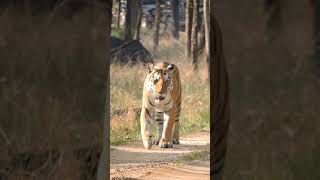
x=158 y=116
x=175 y=137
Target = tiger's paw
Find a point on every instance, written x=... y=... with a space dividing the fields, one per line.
x=147 y=142
x=163 y=144
x=156 y=142
x=175 y=141
x=166 y=145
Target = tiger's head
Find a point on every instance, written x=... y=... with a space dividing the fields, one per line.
x=160 y=80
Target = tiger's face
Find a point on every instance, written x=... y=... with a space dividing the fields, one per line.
x=160 y=82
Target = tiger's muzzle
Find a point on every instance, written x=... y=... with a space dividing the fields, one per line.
x=160 y=98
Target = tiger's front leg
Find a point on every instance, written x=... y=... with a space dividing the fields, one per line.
x=169 y=119
x=145 y=122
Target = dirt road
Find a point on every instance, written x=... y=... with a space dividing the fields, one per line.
x=132 y=161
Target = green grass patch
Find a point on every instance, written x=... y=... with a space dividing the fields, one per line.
x=119 y=33
x=194 y=123
x=192 y=156
x=124 y=136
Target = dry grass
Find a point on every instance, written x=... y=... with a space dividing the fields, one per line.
x=127 y=84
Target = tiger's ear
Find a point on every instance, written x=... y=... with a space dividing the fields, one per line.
x=150 y=67
x=170 y=66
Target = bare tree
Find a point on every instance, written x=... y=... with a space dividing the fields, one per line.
x=188 y=26
x=119 y=14
x=175 y=15
x=138 y=28
x=194 y=36
x=157 y=27
x=128 y=27
x=201 y=38
x=134 y=15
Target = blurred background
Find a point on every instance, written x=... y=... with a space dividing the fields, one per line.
x=52 y=88
x=271 y=48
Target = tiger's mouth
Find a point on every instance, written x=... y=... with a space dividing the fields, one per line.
x=160 y=98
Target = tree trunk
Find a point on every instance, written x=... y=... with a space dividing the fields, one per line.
x=119 y=14
x=206 y=21
x=194 y=37
x=273 y=9
x=201 y=39
x=134 y=13
x=175 y=16
x=104 y=165
x=139 y=19
x=157 y=27
x=128 y=33
x=188 y=27
x=220 y=108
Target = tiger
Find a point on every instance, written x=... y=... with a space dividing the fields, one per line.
x=219 y=98
x=161 y=102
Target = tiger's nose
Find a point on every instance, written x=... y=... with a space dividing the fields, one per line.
x=161 y=91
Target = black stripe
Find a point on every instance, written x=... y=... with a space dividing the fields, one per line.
x=148 y=113
x=177 y=120
x=168 y=102
x=218 y=169
x=159 y=120
x=150 y=103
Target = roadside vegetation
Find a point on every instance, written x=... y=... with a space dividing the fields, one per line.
x=127 y=87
